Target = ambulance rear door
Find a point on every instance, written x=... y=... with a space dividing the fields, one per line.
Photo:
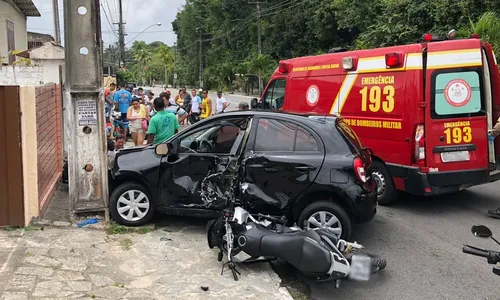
x=456 y=147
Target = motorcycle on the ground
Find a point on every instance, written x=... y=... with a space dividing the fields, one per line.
x=317 y=252
x=493 y=257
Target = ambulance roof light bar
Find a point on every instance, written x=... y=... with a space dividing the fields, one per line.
x=452 y=34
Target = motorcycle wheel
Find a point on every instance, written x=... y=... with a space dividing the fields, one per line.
x=219 y=230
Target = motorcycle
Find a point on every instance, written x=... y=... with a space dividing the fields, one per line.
x=317 y=252
x=493 y=257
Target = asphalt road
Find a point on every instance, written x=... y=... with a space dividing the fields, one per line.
x=422 y=239
x=234 y=99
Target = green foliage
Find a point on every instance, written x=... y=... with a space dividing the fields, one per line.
x=292 y=28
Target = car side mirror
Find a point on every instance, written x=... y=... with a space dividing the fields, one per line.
x=481 y=231
x=161 y=149
x=254 y=103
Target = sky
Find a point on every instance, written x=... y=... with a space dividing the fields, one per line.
x=136 y=13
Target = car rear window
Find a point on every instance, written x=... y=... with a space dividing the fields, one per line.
x=349 y=134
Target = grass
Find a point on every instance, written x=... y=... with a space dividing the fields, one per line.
x=14 y=228
x=115 y=228
x=121 y=285
x=91 y=296
x=126 y=244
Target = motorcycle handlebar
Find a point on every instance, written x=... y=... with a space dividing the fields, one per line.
x=475 y=251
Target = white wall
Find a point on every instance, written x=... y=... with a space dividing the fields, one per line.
x=50 y=69
x=8 y=12
x=16 y=75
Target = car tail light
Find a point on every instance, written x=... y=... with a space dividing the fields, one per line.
x=359 y=168
x=419 y=152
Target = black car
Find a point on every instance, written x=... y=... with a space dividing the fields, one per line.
x=310 y=169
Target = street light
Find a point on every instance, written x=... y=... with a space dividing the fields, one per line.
x=157 y=24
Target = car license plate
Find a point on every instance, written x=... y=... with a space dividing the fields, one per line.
x=360 y=267
x=455 y=156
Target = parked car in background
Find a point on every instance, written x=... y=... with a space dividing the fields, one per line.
x=310 y=169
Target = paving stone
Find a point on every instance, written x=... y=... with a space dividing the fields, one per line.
x=36 y=271
x=21 y=283
x=63 y=275
x=14 y=296
x=110 y=292
x=48 y=289
x=73 y=263
x=79 y=286
x=101 y=281
x=43 y=261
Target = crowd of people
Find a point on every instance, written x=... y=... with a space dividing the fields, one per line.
x=146 y=119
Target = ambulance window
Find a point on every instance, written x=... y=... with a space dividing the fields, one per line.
x=457 y=93
x=275 y=95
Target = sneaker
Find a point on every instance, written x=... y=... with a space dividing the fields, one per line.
x=494 y=213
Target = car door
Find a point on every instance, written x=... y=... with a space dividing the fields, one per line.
x=197 y=154
x=285 y=158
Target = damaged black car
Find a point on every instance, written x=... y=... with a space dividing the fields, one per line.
x=312 y=170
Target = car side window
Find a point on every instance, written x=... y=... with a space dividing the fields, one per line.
x=283 y=136
x=218 y=139
x=305 y=141
x=275 y=95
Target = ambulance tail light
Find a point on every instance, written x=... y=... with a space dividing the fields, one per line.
x=283 y=67
x=419 y=144
x=359 y=169
x=393 y=60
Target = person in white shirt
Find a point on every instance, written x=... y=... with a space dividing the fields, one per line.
x=194 y=115
x=221 y=102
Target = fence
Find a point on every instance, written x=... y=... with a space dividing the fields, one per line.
x=11 y=167
x=49 y=141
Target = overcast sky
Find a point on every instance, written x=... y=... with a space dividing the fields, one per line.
x=138 y=15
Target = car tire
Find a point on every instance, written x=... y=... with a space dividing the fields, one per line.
x=141 y=202
x=329 y=208
x=386 y=191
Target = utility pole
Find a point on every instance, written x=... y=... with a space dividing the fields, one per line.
x=57 y=27
x=121 y=36
x=259 y=37
x=84 y=114
x=201 y=57
x=175 y=58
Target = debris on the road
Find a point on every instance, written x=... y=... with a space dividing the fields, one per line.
x=204 y=288
x=165 y=239
x=87 y=222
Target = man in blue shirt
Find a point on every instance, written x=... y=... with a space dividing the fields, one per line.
x=122 y=100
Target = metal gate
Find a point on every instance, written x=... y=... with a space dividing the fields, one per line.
x=11 y=167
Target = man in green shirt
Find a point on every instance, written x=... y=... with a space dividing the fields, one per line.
x=163 y=124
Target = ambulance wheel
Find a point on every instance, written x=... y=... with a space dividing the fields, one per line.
x=386 y=191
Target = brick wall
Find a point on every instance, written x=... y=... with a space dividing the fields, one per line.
x=16 y=75
x=49 y=140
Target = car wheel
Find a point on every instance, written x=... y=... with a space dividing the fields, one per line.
x=326 y=214
x=386 y=191
x=130 y=204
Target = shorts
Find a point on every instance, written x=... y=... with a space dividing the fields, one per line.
x=123 y=122
x=136 y=127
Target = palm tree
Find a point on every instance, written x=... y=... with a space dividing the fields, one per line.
x=166 y=56
x=143 y=57
x=488 y=28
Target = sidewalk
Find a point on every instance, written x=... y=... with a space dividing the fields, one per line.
x=172 y=262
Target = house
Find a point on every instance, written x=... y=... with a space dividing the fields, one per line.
x=36 y=39
x=50 y=56
x=13 y=32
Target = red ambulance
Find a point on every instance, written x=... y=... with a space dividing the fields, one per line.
x=424 y=109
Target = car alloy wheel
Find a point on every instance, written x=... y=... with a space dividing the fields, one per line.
x=380 y=181
x=133 y=205
x=325 y=220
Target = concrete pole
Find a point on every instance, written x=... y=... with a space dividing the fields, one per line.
x=84 y=114
x=57 y=27
x=121 y=35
